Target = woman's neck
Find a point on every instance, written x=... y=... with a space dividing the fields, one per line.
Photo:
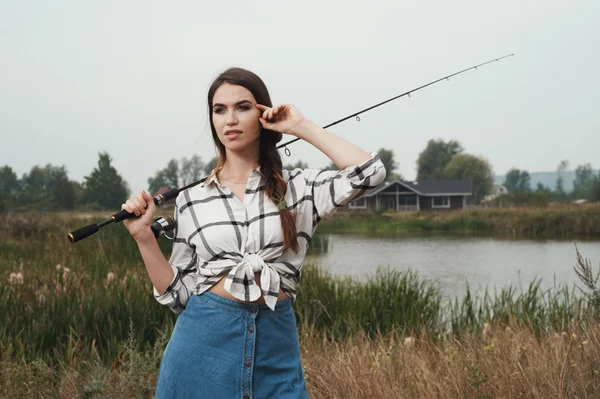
x=238 y=167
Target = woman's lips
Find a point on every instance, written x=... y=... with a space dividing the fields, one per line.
x=232 y=135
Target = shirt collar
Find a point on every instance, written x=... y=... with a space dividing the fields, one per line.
x=255 y=172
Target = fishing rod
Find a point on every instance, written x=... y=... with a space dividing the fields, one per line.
x=408 y=93
x=161 y=225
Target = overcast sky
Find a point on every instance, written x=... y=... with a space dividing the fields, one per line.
x=130 y=78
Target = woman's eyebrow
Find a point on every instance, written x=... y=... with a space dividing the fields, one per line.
x=238 y=103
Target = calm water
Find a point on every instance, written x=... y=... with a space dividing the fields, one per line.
x=451 y=262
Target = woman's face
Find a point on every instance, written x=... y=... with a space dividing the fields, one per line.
x=235 y=117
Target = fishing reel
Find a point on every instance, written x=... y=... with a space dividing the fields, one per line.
x=162 y=225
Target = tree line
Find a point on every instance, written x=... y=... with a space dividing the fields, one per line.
x=586 y=186
x=49 y=188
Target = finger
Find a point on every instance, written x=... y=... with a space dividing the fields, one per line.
x=146 y=196
x=143 y=203
x=137 y=206
x=261 y=107
x=149 y=200
x=266 y=113
x=127 y=207
x=132 y=207
x=266 y=124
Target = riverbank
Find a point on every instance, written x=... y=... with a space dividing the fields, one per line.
x=563 y=221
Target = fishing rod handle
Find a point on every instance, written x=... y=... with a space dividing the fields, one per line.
x=159 y=199
x=83 y=232
x=87 y=231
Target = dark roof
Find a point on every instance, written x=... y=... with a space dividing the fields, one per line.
x=431 y=187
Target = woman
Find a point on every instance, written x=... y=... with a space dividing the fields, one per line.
x=240 y=241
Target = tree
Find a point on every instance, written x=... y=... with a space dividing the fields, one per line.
x=47 y=187
x=171 y=173
x=62 y=190
x=516 y=179
x=387 y=158
x=541 y=188
x=191 y=169
x=169 y=176
x=185 y=172
x=595 y=188
x=435 y=157
x=299 y=164
x=331 y=166
x=104 y=186
x=154 y=183
x=208 y=168
x=479 y=170
x=9 y=186
x=582 y=185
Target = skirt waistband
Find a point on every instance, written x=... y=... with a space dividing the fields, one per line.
x=281 y=307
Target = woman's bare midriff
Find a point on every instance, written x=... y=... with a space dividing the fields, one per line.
x=219 y=289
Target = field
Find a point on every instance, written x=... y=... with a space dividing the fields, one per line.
x=80 y=321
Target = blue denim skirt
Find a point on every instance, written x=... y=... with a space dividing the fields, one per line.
x=222 y=348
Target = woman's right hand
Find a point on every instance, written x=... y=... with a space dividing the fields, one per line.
x=142 y=205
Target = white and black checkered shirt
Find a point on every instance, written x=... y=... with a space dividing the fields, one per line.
x=218 y=235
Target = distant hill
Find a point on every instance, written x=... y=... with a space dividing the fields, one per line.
x=548 y=179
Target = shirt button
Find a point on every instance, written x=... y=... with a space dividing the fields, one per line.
x=248 y=363
x=251 y=329
x=252 y=309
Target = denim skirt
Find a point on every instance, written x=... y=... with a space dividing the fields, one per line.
x=221 y=348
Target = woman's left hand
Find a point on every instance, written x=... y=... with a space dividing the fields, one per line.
x=284 y=118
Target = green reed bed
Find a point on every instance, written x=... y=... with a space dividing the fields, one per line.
x=561 y=221
x=60 y=302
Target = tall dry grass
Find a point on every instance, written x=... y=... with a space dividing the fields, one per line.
x=505 y=363
x=499 y=362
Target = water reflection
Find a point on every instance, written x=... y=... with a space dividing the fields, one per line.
x=451 y=262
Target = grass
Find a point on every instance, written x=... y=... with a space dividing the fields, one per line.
x=80 y=321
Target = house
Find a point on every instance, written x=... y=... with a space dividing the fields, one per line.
x=415 y=196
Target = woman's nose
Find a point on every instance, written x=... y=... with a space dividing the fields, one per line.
x=231 y=119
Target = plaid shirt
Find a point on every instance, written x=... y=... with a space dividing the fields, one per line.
x=218 y=235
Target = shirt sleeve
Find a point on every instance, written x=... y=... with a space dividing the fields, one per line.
x=331 y=189
x=184 y=263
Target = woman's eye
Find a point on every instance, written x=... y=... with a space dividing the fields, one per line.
x=244 y=107
x=218 y=110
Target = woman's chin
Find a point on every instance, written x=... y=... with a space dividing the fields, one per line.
x=239 y=145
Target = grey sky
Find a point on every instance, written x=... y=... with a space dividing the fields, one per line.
x=131 y=78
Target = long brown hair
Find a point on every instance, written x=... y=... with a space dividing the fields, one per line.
x=269 y=158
